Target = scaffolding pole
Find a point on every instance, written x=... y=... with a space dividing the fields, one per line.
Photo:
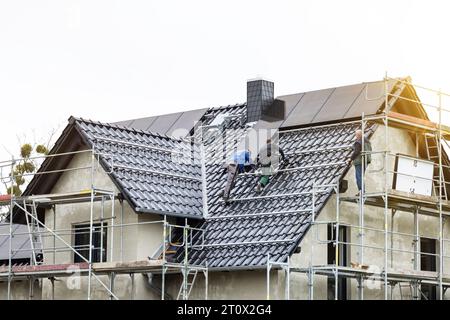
x=11 y=212
x=386 y=276
x=91 y=222
x=35 y=228
x=441 y=247
x=285 y=266
x=337 y=260
x=386 y=185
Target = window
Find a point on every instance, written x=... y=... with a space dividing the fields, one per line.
x=81 y=242
x=428 y=263
x=343 y=260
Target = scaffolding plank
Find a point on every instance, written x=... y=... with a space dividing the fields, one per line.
x=410 y=123
x=396 y=275
x=64 y=270
x=128 y=266
x=404 y=201
x=63 y=198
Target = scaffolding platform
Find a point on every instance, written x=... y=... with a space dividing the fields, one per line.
x=410 y=123
x=393 y=275
x=20 y=272
x=403 y=201
x=60 y=198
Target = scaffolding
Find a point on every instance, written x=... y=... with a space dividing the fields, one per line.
x=42 y=233
x=391 y=201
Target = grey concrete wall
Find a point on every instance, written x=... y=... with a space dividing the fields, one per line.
x=237 y=285
x=20 y=290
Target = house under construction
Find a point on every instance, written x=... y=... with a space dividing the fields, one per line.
x=133 y=210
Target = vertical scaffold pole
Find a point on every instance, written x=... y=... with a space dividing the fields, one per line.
x=102 y=219
x=362 y=198
x=206 y=280
x=386 y=183
x=204 y=182
x=416 y=249
x=268 y=278
x=163 y=274
x=311 y=253
x=441 y=247
x=11 y=210
x=121 y=227
x=337 y=262
x=91 y=222
x=186 y=260
x=287 y=294
x=54 y=237
x=113 y=218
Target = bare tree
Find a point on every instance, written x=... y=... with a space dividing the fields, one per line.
x=30 y=158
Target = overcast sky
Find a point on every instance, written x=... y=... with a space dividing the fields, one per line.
x=115 y=60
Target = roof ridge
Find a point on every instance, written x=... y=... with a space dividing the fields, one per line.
x=343 y=86
x=230 y=106
x=73 y=119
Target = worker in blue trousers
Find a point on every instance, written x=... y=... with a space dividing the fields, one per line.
x=240 y=162
x=357 y=158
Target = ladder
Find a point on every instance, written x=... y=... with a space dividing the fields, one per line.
x=189 y=277
x=169 y=251
x=33 y=231
x=432 y=146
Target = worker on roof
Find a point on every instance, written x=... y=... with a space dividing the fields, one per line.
x=268 y=157
x=240 y=162
x=243 y=160
x=358 y=158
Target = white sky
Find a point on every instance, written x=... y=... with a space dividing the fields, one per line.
x=115 y=60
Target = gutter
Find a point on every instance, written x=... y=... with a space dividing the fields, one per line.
x=167 y=213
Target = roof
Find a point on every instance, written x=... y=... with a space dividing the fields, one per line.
x=154 y=173
x=151 y=170
x=243 y=233
x=177 y=124
x=20 y=242
x=332 y=104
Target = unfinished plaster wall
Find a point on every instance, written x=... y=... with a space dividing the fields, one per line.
x=20 y=290
x=226 y=285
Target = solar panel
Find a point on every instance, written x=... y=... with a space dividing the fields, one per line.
x=307 y=108
x=186 y=122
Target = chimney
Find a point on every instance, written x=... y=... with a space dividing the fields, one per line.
x=260 y=96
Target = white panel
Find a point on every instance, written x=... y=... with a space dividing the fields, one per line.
x=414 y=175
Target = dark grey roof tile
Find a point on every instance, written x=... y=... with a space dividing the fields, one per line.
x=278 y=226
